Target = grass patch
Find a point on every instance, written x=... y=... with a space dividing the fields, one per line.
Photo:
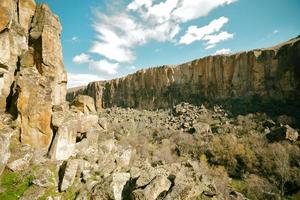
x=14 y=185
x=238 y=185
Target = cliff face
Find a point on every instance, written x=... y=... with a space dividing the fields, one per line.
x=272 y=73
x=32 y=75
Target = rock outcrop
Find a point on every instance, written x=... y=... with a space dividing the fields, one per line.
x=272 y=73
x=32 y=75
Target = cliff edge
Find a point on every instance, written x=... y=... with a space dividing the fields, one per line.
x=271 y=73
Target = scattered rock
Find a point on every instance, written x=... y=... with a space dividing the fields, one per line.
x=69 y=170
x=20 y=164
x=160 y=184
x=119 y=181
x=5 y=135
x=202 y=128
x=103 y=122
x=283 y=133
x=34 y=192
x=44 y=178
x=85 y=104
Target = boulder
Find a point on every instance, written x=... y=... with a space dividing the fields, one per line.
x=125 y=157
x=283 y=133
x=64 y=141
x=34 y=192
x=202 y=128
x=44 y=178
x=103 y=123
x=154 y=189
x=69 y=171
x=20 y=164
x=84 y=103
x=71 y=128
x=118 y=184
x=5 y=135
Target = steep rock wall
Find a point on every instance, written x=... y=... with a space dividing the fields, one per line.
x=271 y=73
x=32 y=75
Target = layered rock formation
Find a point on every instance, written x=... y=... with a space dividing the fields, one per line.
x=32 y=75
x=272 y=73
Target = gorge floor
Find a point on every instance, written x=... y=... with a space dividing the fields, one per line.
x=188 y=152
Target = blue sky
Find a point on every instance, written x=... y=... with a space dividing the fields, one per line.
x=105 y=39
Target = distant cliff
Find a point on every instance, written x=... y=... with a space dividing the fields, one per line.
x=272 y=73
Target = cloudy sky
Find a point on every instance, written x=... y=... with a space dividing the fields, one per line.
x=105 y=39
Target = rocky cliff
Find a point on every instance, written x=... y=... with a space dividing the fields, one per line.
x=271 y=73
x=32 y=75
x=50 y=149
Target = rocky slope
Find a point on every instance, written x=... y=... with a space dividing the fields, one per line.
x=272 y=73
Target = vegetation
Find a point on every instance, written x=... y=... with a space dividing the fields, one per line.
x=14 y=185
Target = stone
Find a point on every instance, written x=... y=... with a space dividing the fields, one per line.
x=33 y=192
x=5 y=18
x=103 y=123
x=71 y=127
x=26 y=13
x=27 y=59
x=54 y=198
x=64 y=141
x=85 y=104
x=35 y=108
x=5 y=136
x=40 y=81
x=202 y=128
x=87 y=122
x=285 y=120
x=155 y=188
x=283 y=133
x=269 y=123
x=69 y=174
x=44 y=178
x=124 y=159
x=20 y=164
x=119 y=181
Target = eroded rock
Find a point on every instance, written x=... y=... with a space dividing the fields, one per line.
x=69 y=171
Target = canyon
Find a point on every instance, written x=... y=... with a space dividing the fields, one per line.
x=170 y=132
x=271 y=73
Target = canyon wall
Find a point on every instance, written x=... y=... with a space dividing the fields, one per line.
x=272 y=73
x=32 y=75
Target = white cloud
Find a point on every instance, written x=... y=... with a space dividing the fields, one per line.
x=196 y=34
x=118 y=34
x=137 y=4
x=113 y=51
x=222 y=52
x=81 y=59
x=75 y=39
x=214 y=39
x=76 y=80
x=209 y=33
x=121 y=31
x=104 y=66
x=100 y=66
x=162 y=12
x=193 y=9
